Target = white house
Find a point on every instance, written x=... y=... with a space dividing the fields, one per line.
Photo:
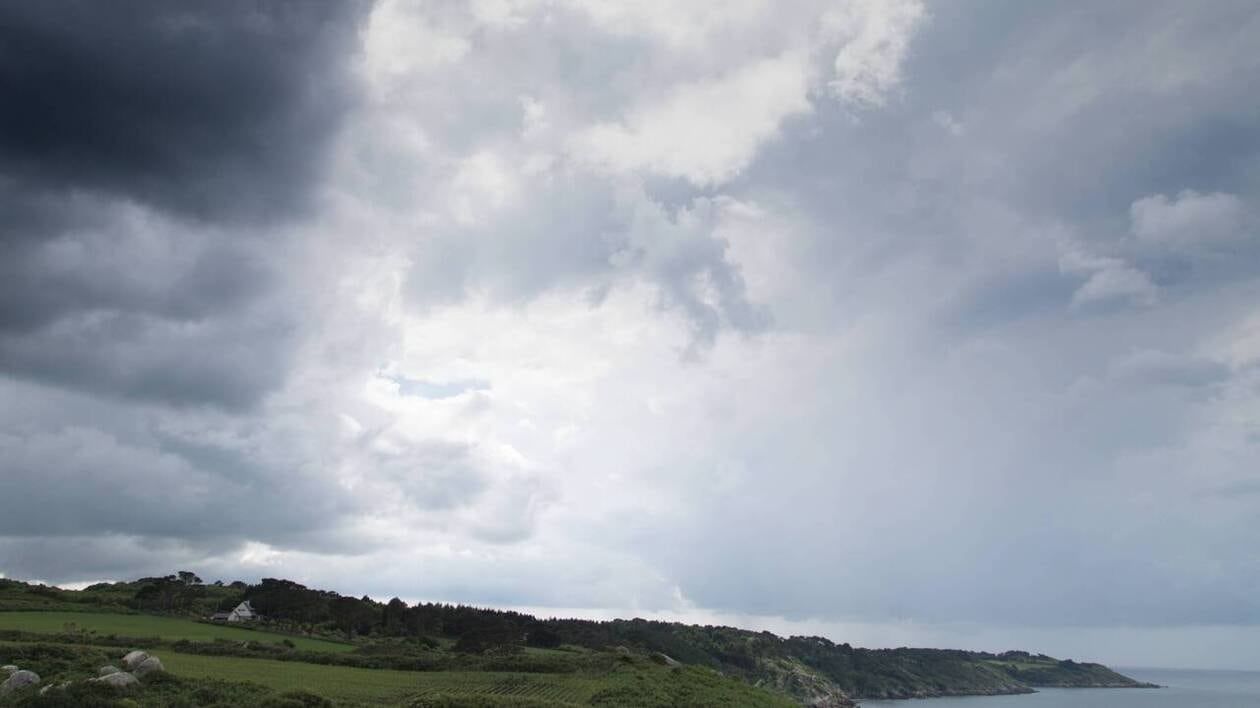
x=243 y=612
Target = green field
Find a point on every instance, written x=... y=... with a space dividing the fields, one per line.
x=194 y=679
x=380 y=685
x=167 y=628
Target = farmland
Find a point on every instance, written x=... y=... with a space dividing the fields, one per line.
x=378 y=685
x=196 y=680
x=70 y=646
x=167 y=628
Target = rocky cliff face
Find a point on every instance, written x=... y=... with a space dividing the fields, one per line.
x=801 y=683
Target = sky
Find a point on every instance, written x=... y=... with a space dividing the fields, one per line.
x=903 y=323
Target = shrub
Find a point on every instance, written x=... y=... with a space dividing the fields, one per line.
x=296 y=699
x=76 y=695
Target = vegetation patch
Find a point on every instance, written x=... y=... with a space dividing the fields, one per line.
x=152 y=626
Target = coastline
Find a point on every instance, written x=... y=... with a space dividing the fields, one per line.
x=1005 y=691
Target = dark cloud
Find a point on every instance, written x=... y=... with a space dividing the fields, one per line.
x=135 y=304
x=212 y=110
x=94 y=487
x=116 y=256
x=97 y=557
x=146 y=151
x=80 y=481
x=228 y=362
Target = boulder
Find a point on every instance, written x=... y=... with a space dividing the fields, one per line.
x=107 y=670
x=134 y=659
x=17 y=680
x=121 y=680
x=59 y=687
x=666 y=660
x=149 y=666
x=8 y=667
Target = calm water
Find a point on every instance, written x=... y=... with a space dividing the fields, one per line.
x=1185 y=689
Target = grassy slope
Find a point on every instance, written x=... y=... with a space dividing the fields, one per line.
x=628 y=681
x=1049 y=673
x=633 y=683
x=374 y=684
x=805 y=667
x=168 y=628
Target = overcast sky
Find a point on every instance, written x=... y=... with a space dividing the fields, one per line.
x=899 y=322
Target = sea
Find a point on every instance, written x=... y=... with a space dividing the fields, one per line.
x=1182 y=689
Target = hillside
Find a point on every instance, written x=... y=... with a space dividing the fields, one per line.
x=472 y=646
x=763 y=658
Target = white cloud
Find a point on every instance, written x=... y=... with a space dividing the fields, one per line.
x=946 y=120
x=1117 y=282
x=505 y=14
x=1152 y=367
x=708 y=131
x=685 y=25
x=1189 y=220
x=400 y=44
x=874 y=38
x=482 y=184
x=1108 y=280
x=1240 y=344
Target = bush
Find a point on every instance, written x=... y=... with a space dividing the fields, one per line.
x=296 y=699
x=56 y=662
x=76 y=695
x=447 y=701
x=541 y=636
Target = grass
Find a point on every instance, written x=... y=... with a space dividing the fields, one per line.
x=1020 y=665
x=625 y=682
x=591 y=678
x=382 y=685
x=639 y=683
x=167 y=628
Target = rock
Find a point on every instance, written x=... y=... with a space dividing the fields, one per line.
x=8 y=667
x=665 y=660
x=17 y=680
x=59 y=687
x=134 y=659
x=120 y=680
x=149 y=666
x=107 y=670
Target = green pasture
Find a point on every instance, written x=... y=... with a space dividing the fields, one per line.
x=638 y=685
x=381 y=685
x=167 y=628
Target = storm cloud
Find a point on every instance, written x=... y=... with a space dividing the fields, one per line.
x=217 y=111
x=148 y=152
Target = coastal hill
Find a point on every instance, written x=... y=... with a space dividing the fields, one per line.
x=480 y=653
x=801 y=665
